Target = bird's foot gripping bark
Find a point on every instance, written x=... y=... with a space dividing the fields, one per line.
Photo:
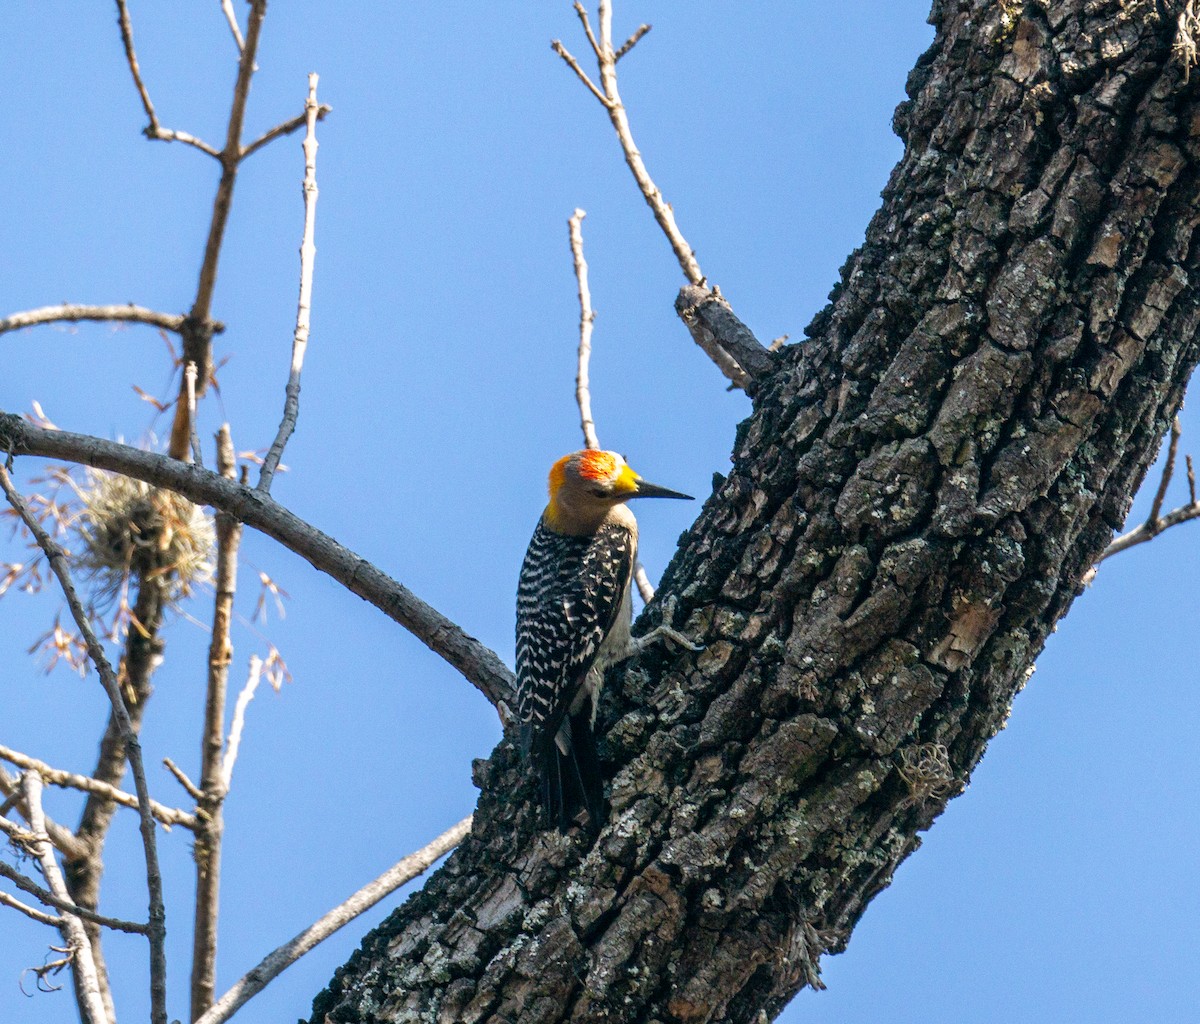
x=664 y=631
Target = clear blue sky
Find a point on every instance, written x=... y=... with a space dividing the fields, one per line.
x=438 y=388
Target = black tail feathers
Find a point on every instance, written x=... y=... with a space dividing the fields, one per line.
x=571 y=783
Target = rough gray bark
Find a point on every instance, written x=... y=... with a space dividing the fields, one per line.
x=912 y=504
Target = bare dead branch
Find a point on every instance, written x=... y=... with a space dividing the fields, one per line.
x=1156 y=522
x=286 y=128
x=1168 y=469
x=30 y=912
x=189 y=378
x=645 y=587
x=587 y=318
x=632 y=41
x=585 y=21
x=716 y=329
x=64 y=904
x=64 y=840
x=156 y=930
x=92 y=1005
x=308 y=256
x=610 y=99
x=557 y=46
x=86 y=784
x=74 y=313
x=182 y=778
x=210 y=799
x=197 y=337
x=227 y=9
x=153 y=130
x=478 y=664
x=284 y=956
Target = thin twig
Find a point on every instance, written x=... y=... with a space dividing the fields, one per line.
x=153 y=130
x=308 y=256
x=30 y=912
x=73 y=313
x=253 y=678
x=182 y=778
x=64 y=904
x=255 y=980
x=92 y=1005
x=632 y=41
x=227 y=8
x=86 y=784
x=189 y=374
x=1168 y=469
x=557 y=46
x=585 y=21
x=286 y=128
x=587 y=318
x=478 y=664
x=157 y=917
x=210 y=800
x=1156 y=522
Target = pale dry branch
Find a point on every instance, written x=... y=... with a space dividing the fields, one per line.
x=181 y=777
x=156 y=930
x=189 y=378
x=30 y=912
x=153 y=130
x=92 y=1005
x=86 y=784
x=253 y=677
x=284 y=956
x=1168 y=471
x=478 y=664
x=234 y=27
x=610 y=98
x=585 y=21
x=308 y=256
x=587 y=319
x=74 y=313
x=645 y=587
x=66 y=905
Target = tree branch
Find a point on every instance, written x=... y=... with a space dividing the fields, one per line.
x=153 y=130
x=587 y=319
x=30 y=912
x=156 y=930
x=308 y=256
x=284 y=956
x=73 y=313
x=286 y=128
x=234 y=28
x=87 y=784
x=728 y=342
x=92 y=1006
x=476 y=662
x=66 y=905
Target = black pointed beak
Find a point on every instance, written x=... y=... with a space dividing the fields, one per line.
x=648 y=490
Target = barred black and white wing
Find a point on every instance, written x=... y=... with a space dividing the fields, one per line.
x=570 y=593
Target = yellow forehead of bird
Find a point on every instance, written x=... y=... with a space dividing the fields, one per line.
x=606 y=472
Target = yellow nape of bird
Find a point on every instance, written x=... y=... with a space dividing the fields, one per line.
x=573 y=621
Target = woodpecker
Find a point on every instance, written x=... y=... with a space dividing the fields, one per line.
x=573 y=621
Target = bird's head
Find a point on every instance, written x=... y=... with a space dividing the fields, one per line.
x=585 y=485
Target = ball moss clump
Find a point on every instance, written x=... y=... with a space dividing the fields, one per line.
x=130 y=529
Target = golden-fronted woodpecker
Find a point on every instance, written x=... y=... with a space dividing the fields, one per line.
x=573 y=619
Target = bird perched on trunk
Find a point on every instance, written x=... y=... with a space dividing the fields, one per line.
x=573 y=619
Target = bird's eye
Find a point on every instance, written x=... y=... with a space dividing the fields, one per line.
x=598 y=492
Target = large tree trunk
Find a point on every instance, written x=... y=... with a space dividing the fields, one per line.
x=913 y=503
